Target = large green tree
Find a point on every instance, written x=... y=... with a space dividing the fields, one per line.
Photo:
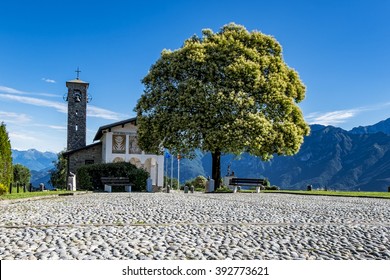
x=5 y=157
x=226 y=92
x=22 y=174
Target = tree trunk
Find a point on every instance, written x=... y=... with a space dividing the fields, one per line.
x=216 y=168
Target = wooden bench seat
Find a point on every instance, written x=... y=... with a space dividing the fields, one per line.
x=110 y=182
x=247 y=182
x=258 y=183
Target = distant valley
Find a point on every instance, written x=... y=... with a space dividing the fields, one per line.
x=39 y=163
x=330 y=157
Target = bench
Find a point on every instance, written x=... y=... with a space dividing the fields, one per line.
x=247 y=182
x=110 y=182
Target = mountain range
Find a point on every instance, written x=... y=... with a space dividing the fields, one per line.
x=330 y=157
x=39 y=163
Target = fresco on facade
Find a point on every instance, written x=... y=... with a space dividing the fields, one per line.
x=133 y=145
x=118 y=144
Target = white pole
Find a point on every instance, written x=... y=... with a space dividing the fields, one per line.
x=171 y=171
x=178 y=172
x=166 y=170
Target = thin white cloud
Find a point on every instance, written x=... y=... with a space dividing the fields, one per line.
x=332 y=118
x=16 y=118
x=60 y=107
x=48 y=94
x=8 y=90
x=57 y=127
x=50 y=81
x=93 y=111
x=21 y=136
x=24 y=140
x=4 y=89
x=341 y=116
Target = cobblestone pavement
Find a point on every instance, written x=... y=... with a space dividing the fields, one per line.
x=195 y=226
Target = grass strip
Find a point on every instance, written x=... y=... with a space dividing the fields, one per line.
x=12 y=196
x=336 y=193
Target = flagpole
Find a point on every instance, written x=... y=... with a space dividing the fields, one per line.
x=178 y=171
x=166 y=168
x=171 y=171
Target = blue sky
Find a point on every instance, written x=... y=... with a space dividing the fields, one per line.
x=340 y=49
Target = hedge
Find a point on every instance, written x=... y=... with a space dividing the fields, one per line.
x=88 y=177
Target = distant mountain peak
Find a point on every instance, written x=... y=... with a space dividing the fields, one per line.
x=34 y=159
x=316 y=127
x=32 y=150
x=382 y=126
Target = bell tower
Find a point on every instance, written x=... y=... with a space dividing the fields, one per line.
x=77 y=99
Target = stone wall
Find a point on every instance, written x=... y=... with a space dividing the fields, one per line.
x=89 y=155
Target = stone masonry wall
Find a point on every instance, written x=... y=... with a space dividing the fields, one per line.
x=77 y=115
x=79 y=158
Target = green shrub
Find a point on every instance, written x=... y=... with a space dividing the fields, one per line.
x=223 y=189
x=3 y=189
x=89 y=176
x=199 y=183
x=84 y=181
x=167 y=181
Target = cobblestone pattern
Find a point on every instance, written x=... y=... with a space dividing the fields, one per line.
x=196 y=226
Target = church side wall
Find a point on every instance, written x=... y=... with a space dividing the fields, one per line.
x=160 y=170
x=120 y=145
x=89 y=155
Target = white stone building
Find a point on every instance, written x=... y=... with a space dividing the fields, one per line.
x=119 y=144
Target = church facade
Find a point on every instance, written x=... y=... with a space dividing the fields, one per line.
x=115 y=142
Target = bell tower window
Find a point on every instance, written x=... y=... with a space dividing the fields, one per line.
x=77 y=96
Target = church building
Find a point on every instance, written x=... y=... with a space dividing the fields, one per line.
x=115 y=142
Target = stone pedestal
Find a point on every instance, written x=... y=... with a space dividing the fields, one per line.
x=211 y=185
x=72 y=182
x=226 y=180
x=149 y=185
x=107 y=188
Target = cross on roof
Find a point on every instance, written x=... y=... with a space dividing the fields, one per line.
x=78 y=73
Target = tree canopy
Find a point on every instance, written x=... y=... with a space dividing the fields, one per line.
x=226 y=92
x=22 y=174
x=5 y=157
x=58 y=174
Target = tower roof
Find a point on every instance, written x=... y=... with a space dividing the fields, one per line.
x=77 y=81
